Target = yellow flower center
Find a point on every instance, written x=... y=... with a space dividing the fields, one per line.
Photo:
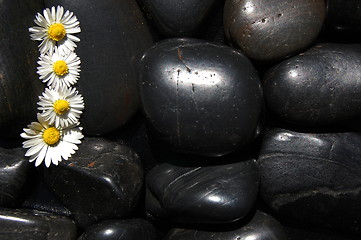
x=61 y=106
x=51 y=136
x=60 y=68
x=56 y=31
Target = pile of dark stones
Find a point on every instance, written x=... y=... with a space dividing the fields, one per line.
x=217 y=119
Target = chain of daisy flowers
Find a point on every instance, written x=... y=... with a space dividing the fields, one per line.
x=56 y=134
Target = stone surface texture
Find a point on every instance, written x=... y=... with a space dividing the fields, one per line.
x=200 y=97
x=313 y=178
x=202 y=195
x=269 y=30
x=102 y=181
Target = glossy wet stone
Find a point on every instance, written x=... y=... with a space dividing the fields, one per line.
x=40 y=197
x=201 y=195
x=200 y=97
x=318 y=87
x=313 y=178
x=20 y=85
x=261 y=227
x=180 y=18
x=344 y=20
x=103 y=180
x=273 y=29
x=18 y=224
x=14 y=171
x=114 y=36
x=130 y=229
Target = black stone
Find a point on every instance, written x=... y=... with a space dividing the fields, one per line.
x=19 y=224
x=135 y=136
x=113 y=37
x=14 y=171
x=313 y=178
x=274 y=29
x=261 y=227
x=316 y=234
x=40 y=197
x=202 y=195
x=343 y=22
x=20 y=86
x=180 y=18
x=130 y=229
x=318 y=87
x=199 y=97
x=101 y=181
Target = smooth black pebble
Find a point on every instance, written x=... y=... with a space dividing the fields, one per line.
x=102 y=180
x=20 y=224
x=180 y=18
x=202 y=195
x=127 y=229
x=273 y=29
x=200 y=97
x=319 y=87
x=261 y=227
x=313 y=178
x=14 y=172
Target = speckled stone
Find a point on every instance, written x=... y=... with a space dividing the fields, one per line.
x=200 y=97
x=270 y=30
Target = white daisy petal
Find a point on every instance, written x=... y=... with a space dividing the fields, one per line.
x=58 y=70
x=37 y=146
x=50 y=144
x=61 y=107
x=41 y=156
x=54 y=28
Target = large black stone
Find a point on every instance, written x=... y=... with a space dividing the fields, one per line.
x=199 y=97
x=14 y=171
x=272 y=29
x=20 y=224
x=318 y=87
x=130 y=229
x=101 y=181
x=202 y=195
x=20 y=86
x=261 y=227
x=180 y=18
x=113 y=37
x=313 y=178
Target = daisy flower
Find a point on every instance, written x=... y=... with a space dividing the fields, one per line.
x=55 y=28
x=48 y=143
x=57 y=70
x=62 y=107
